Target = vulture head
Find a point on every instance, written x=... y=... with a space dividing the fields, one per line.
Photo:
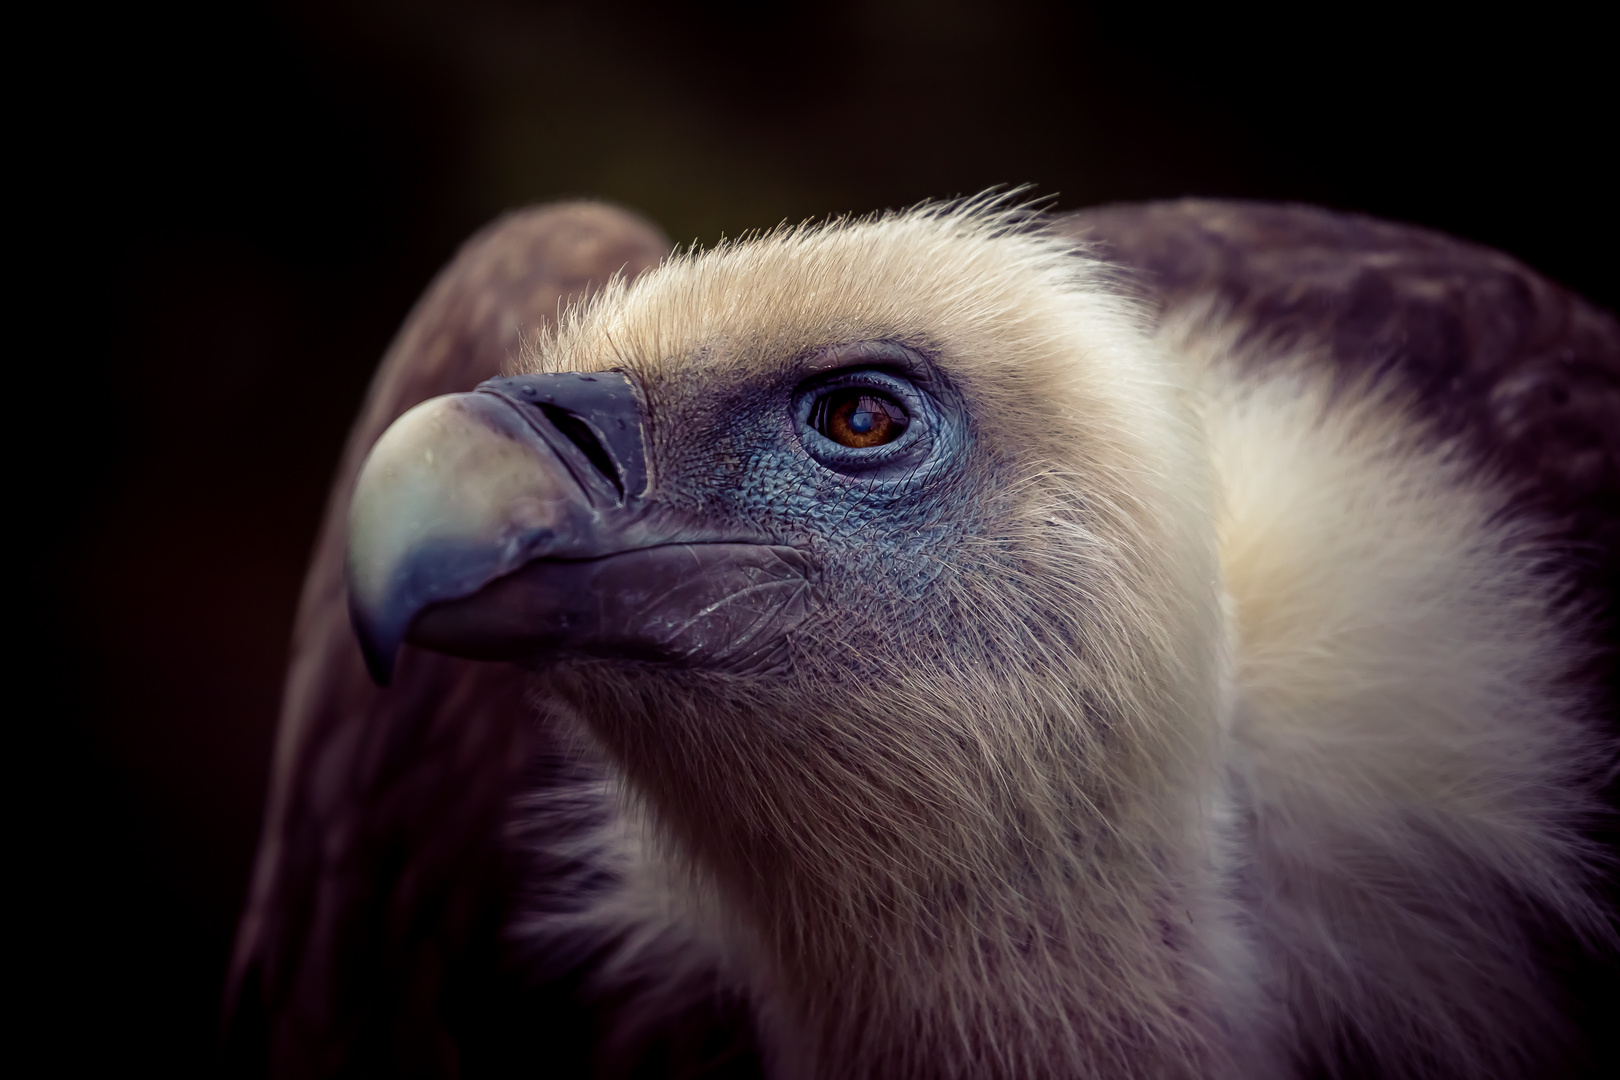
x=880 y=559
x=976 y=671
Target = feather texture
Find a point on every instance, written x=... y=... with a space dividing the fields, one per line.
x=1231 y=710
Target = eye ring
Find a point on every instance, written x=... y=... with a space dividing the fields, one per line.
x=899 y=423
x=858 y=417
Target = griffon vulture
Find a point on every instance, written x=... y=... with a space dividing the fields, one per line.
x=1164 y=641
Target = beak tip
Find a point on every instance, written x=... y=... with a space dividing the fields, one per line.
x=380 y=666
x=379 y=648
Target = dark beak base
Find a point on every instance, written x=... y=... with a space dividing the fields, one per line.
x=516 y=522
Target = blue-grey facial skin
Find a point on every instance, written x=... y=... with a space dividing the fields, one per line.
x=878 y=522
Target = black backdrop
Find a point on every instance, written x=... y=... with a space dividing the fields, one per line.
x=239 y=202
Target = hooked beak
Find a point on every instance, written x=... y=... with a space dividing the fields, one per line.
x=517 y=520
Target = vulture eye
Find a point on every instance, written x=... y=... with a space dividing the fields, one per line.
x=867 y=423
x=858 y=417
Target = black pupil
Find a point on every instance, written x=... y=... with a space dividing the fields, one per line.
x=859 y=417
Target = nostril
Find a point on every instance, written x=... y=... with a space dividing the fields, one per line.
x=580 y=434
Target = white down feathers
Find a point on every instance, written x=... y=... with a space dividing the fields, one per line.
x=1349 y=748
x=1409 y=751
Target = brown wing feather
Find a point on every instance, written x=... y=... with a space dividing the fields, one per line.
x=371 y=928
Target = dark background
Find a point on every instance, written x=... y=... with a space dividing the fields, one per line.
x=231 y=208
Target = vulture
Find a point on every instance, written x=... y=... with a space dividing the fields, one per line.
x=1165 y=640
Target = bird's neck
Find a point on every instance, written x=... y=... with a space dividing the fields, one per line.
x=1028 y=904
x=1019 y=968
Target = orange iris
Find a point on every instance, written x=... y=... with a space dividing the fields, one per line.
x=860 y=418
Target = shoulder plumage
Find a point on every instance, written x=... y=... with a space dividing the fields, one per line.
x=370 y=932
